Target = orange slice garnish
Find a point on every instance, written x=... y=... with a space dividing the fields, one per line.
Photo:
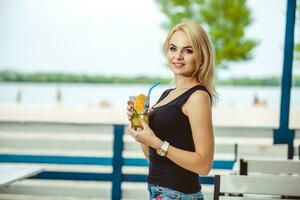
x=139 y=103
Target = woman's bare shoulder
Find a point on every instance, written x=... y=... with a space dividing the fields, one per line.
x=199 y=97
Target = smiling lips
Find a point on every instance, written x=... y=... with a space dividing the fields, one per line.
x=176 y=64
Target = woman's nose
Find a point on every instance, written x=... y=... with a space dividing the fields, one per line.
x=178 y=55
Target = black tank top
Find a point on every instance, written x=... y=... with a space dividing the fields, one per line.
x=170 y=124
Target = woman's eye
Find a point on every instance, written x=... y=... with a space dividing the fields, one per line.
x=172 y=49
x=188 y=51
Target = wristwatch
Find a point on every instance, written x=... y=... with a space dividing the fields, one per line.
x=162 y=151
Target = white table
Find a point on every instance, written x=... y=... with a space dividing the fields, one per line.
x=11 y=173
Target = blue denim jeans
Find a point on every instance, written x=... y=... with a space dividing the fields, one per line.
x=163 y=193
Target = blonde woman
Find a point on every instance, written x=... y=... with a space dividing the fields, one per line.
x=179 y=140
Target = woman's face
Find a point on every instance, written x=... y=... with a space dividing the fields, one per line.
x=181 y=56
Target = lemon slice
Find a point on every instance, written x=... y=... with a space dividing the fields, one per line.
x=139 y=103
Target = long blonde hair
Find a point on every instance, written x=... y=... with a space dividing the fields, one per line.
x=203 y=51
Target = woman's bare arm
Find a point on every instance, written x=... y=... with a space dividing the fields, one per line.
x=198 y=110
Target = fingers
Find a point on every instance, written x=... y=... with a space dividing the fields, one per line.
x=131 y=129
x=144 y=124
x=130 y=107
x=129 y=110
x=134 y=132
x=149 y=110
x=129 y=115
x=130 y=125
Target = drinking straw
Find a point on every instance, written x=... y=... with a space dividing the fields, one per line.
x=149 y=92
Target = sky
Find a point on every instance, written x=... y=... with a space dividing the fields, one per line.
x=118 y=37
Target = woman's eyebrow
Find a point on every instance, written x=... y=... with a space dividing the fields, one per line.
x=182 y=47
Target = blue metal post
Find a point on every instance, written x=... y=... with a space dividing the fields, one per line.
x=117 y=162
x=283 y=135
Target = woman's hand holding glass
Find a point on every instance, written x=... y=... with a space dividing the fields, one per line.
x=143 y=134
x=130 y=111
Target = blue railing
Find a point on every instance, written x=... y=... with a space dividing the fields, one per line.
x=117 y=162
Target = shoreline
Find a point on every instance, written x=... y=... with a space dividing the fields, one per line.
x=222 y=116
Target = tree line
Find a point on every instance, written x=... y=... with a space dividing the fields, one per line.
x=14 y=76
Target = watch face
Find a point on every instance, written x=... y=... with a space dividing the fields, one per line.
x=163 y=149
x=161 y=152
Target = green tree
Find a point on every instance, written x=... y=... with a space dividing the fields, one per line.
x=297 y=51
x=225 y=21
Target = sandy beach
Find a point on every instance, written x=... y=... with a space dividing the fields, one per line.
x=222 y=116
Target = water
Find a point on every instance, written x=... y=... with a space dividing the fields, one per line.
x=116 y=95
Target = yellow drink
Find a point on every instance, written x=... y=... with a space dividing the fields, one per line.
x=136 y=122
x=139 y=104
